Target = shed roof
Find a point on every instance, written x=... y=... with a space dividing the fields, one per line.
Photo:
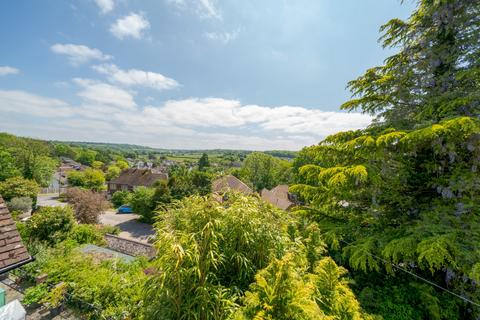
x=12 y=250
x=139 y=177
x=229 y=182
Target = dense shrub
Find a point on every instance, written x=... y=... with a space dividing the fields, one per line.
x=209 y=253
x=99 y=289
x=88 y=205
x=120 y=198
x=86 y=233
x=19 y=187
x=20 y=204
x=50 y=224
x=142 y=202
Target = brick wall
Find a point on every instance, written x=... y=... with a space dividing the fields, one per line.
x=130 y=247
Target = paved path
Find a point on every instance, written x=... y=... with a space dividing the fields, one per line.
x=127 y=222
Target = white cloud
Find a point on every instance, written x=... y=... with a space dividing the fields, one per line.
x=224 y=37
x=135 y=77
x=79 y=54
x=6 y=70
x=204 y=8
x=105 y=5
x=188 y=123
x=104 y=94
x=132 y=25
x=31 y=104
x=210 y=8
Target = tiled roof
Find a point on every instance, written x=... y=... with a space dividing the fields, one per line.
x=12 y=250
x=139 y=177
x=226 y=183
x=278 y=196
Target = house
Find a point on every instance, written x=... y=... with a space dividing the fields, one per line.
x=279 y=197
x=230 y=183
x=13 y=253
x=131 y=178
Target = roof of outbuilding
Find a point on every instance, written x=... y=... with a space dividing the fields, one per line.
x=278 y=196
x=12 y=250
x=139 y=177
x=229 y=182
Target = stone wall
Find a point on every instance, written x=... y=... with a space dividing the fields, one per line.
x=130 y=247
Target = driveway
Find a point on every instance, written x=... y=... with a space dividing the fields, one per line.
x=127 y=222
x=49 y=200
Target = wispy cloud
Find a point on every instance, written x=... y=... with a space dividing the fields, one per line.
x=223 y=37
x=203 y=8
x=6 y=70
x=188 y=123
x=135 y=77
x=79 y=54
x=105 y=5
x=132 y=25
x=100 y=93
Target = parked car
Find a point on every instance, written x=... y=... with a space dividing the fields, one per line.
x=124 y=209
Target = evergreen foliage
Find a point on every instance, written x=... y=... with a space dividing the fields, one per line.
x=410 y=197
x=435 y=74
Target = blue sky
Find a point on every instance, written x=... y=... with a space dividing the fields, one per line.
x=249 y=74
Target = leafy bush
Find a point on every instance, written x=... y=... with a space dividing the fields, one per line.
x=50 y=224
x=113 y=287
x=87 y=204
x=85 y=233
x=120 y=198
x=19 y=187
x=20 y=204
x=35 y=294
x=207 y=253
x=142 y=202
x=110 y=229
x=92 y=179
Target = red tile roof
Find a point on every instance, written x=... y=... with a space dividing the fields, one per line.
x=226 y=183
x=278 y=196
x=138 y=177
x=12 y=250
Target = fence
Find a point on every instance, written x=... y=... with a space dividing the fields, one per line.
x=53 y=190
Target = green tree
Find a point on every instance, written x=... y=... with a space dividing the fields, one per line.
x=19 y=187
x=120 y=198
x=50 y=224
x=113 y=172
x=87 y=157
x=43 y=170
x=92 y=179
x=402 y=196
x=265 y=171
x=205 y=250
x=201 y=182
x=122 y=164
x=435 y=73
x=8 y=168
x=162 y=195
x=142 y=202
x=203 y=162
x=97 y=165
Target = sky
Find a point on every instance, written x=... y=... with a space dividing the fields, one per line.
x=187 y=74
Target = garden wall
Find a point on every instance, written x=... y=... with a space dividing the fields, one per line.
x=130 y=247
